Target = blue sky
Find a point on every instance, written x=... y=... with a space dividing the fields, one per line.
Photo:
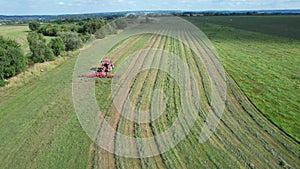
x=20 y=7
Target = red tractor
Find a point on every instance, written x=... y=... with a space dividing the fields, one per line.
x=103 y=70
x=107 y=65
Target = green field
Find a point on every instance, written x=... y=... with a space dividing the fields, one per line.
x=279 y=25
x=266 y=67
x=40 y=129
x=239 y=113
x=17 y=33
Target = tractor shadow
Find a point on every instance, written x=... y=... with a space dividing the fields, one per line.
x=93 y=68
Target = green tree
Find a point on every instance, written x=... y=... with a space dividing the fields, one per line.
x=40 y=51
x=71 y=40
x=108 y=29
x=49 y=30
x=12 y=60
x=57 y=45
x=92 y=25
x=100 y=34
x=121 y=23
x=34 y=26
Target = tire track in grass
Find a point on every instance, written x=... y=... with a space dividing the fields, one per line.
x=231 y=122
x=101 y=158
x=156 y=125
x=189 y=57
x=240 y=123
x=174 y=105
x=110 y=157
x=96 y=153
x=214 y=140
x=175 y=48
x=269 y=136
x=170 y=158
x=251 y=146
x=150 y=83
x=219 y=126
x=120 y=126
x=122 y=120
x=125 y=123
x=162 y=156
x=191 y=139
x=137 y=86
x=237 y=125
x=188 y=144
x=205 y=54
x=146 y=162
x=247 y=149
x=262 y=121
x=239 y=138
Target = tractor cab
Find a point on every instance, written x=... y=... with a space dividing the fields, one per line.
x=107 y=65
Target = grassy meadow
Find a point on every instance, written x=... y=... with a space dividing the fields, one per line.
x=40 y=129
x=262 y=54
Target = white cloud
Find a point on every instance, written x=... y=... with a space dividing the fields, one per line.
x=60 y=3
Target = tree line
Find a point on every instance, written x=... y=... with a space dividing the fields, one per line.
x=49 y=40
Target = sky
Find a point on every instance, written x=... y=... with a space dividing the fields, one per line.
x=34 y=7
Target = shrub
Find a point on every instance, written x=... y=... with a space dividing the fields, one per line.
x=12 y=60
x=121 y=24
x=40 y=52
x=34 y=26
x=108 y=29
x=71 y=40
x=57 y=45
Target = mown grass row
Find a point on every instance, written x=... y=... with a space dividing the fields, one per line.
x=171 y=160
x=174 y=157
x=122 y=162
x=182 y=148
x=244 y=154
x=98 y=157
x=105 y=158
x=214 y=141
x=243 y=138
x=247 y=138
x=130 y=126
x=208 y=152
x=263 y=66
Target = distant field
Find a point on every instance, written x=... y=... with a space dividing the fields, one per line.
x=17 y=33
x=285 y=26
x=265 y=66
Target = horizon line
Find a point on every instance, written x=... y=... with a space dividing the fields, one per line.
x=158 y=10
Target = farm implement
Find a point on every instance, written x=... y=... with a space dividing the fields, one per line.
x=103 y=70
